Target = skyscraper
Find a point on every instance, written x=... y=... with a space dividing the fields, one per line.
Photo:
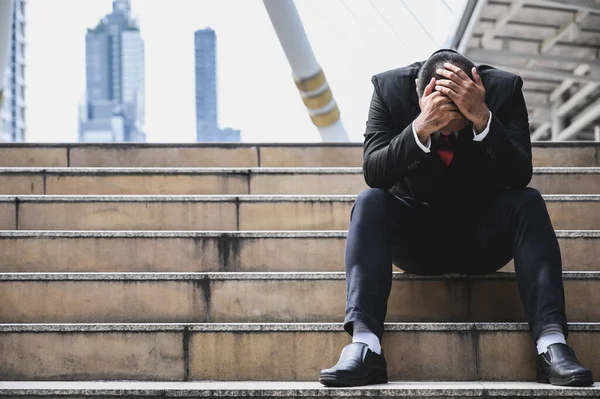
x=12 y=112
x=115 y=83
x=207 y=126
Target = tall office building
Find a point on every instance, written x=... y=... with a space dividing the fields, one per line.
x=12 y=112
x=207 y=126
x=115 y=83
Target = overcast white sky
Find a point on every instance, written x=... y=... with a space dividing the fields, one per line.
x=352 y=40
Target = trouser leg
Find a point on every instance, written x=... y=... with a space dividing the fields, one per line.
x=517 y=224
x=381 y=225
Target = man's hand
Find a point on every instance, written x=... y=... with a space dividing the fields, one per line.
x=437 y=111
x=468 y=95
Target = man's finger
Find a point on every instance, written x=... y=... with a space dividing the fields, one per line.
x=429 y=87
x=457 y=71
x=476 y=77
x=450 y=106
x=440 y=97
x=449 y=92
x=450 y=75
x=448 y=83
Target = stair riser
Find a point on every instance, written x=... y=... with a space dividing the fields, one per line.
x=235 y=184
x=411 y=355
x=238 y=156
x=96 y=355
x=8 y=219
x=228 y=254
x=227 y=215
x=271 y=301
x=14 y=157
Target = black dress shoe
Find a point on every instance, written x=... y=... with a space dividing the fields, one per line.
x=559 y=366
x=351 y=370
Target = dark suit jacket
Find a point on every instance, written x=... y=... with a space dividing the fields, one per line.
x=393 y=161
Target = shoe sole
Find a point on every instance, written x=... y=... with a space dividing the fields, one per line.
x=332 y=380
x=580 y=380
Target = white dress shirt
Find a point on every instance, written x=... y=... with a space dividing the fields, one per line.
x=476 y=137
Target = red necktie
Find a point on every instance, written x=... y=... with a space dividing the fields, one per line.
x=446 y=150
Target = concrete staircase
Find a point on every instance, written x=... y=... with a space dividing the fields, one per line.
x=199 y=270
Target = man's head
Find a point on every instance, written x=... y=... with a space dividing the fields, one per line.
x=428 y=71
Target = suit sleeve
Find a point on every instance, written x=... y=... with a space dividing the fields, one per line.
x=387 y=154
x=507 y=146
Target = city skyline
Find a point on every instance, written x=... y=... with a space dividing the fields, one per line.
x=13 y=126
x=207 y=110
x=257 y=93
x=115 y=85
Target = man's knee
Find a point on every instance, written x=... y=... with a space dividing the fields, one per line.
x=371 y=200
x=526 y=197
x=529 y=203
x=372 y=197
x=529 y=197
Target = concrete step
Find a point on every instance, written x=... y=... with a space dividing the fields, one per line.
x=290 y=389
x=225 y=212
x=241 y=155
x=268 y=297
x=227 y=251
x=186 y=181
x=276 y=352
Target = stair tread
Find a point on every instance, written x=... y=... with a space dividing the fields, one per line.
x=300 y=276
x=291 y=388
x=276 y=327
x=126 y=145
x=238 y=170
x=234 y=197
x=584 y=233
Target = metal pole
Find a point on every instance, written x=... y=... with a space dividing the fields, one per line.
x=558 y=120
x=6 y=11
x=597 y=132
x=306 y=71
x=540 y=131
x=580 y=121
x=464 y=41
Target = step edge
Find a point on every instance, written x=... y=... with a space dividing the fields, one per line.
x=227 y=234
x=233 y=198
x=249 y=145
x=292 y=388
x=124 y=171
x=259 y=276
x=506 y=327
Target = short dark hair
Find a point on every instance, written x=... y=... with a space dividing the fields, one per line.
x=435 y=61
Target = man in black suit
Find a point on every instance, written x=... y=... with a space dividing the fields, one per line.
x=447 y=154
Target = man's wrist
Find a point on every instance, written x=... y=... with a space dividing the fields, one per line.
x=421 y=133
x=481 y=122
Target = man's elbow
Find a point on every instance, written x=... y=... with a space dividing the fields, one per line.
x=522 y=177
x=372 y=179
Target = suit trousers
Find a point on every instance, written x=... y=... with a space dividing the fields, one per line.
x=428 y=240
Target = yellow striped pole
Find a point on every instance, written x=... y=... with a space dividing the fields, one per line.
x=308 y=75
